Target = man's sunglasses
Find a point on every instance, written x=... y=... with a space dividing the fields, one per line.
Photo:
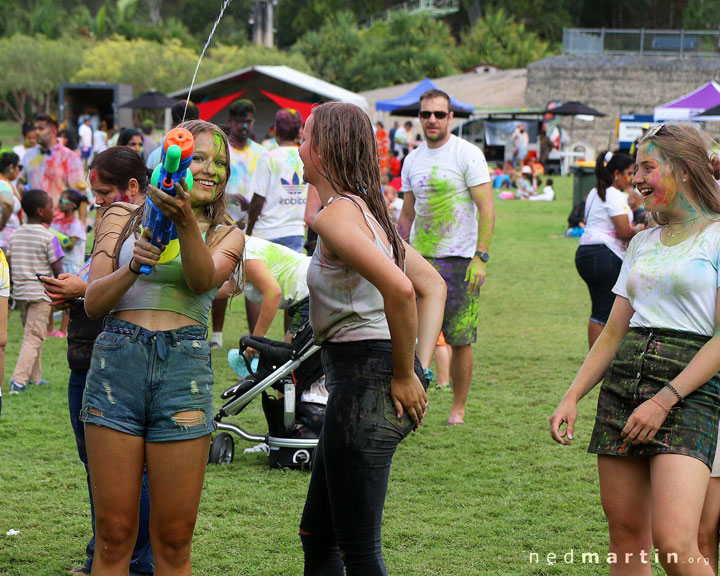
x=426 y=114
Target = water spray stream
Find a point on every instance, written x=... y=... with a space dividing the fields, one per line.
x=226 y=3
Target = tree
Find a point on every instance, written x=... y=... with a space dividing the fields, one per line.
x=223 y=59
x=498 y=39
x=331 y=48
x=702 y=15
x=405 y=48
x=32 y=71
x=144 y=64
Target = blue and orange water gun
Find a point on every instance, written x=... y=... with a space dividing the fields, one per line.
x=177 y=153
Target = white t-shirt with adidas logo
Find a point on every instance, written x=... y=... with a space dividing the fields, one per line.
x=278 y=178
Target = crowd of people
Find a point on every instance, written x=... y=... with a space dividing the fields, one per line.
x=382 y=242
x=373 y=287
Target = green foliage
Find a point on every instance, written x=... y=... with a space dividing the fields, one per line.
x=702 y=15
x=331 y=49
x=223 y=59
x=144 y=64
x=405 y=48
x=33 y=68
x=498 y=39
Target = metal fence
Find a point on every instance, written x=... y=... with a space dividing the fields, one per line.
x=596 y=41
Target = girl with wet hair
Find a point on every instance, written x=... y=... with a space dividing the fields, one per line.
x=371 y=297
x=656 y=426
x=608 y=227
x=161 y=411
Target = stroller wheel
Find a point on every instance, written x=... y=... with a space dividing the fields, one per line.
x=222 y=449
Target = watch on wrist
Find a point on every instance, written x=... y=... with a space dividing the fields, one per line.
x=484 y=256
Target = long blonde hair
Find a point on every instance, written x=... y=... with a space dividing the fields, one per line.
x=695 y=166
x=343 y=136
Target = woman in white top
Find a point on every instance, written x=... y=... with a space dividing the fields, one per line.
x=608 y=227
x=9 y=196
x=374 y=303
x=657 y=416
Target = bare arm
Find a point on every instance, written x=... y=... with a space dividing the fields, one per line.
x=624 y=229
x=7 y=210
x=593 y=369
x=259 y=275
x=483 y=199
x=256 y=206
x=344 y=233
x=57 y=266
x=431 y=291
x=647 y=418
x=107 y=286
x=204 y=267
x=407 y=216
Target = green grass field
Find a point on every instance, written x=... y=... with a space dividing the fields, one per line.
x=10 y=134
x=479 y=499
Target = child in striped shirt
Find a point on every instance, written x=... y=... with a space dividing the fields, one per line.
x=33 y=250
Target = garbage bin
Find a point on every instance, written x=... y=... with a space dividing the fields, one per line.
x=583 y=180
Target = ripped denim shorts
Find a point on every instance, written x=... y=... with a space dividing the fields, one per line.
x=157 y=385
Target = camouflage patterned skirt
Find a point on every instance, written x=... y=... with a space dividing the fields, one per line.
x=646 y=360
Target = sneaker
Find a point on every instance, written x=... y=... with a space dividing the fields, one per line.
x=16 y=388
x=214 y=345
x=40 y=382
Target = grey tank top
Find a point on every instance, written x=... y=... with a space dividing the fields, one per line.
x=344 y=306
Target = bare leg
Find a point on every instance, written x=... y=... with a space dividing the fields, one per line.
x=252 y=311
x=708 y=540
x=175 y=473
x=461 y=366
x=3 y=335
x=219 y=306
x=594 y=331
x=625 y=496
x=678 y=487
x=443 y=354
x=115 y=461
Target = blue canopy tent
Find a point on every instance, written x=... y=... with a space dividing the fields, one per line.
x=408 y=103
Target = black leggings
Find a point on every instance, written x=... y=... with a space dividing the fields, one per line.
x=342 y=519
x=599 y=267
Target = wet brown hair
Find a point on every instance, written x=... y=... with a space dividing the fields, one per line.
x=343 y=137
x=688 y=151
x=215 y=212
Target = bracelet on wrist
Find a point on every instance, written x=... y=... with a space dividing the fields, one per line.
x=661 y=406
x=137 y=273
x=674 y=391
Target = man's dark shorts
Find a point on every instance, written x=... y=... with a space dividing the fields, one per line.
x=461 y=307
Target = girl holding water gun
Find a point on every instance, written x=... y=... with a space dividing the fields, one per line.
x=148 y=396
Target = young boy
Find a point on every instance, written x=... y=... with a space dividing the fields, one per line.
x=33 y=250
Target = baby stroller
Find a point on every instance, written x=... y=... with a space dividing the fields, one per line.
x=293 y=425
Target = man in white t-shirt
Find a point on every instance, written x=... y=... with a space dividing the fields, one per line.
x=244 y=156
x=277 y=208
x=86 y=141
x=448 y=216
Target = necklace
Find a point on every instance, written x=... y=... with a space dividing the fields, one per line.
x=689 y=223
